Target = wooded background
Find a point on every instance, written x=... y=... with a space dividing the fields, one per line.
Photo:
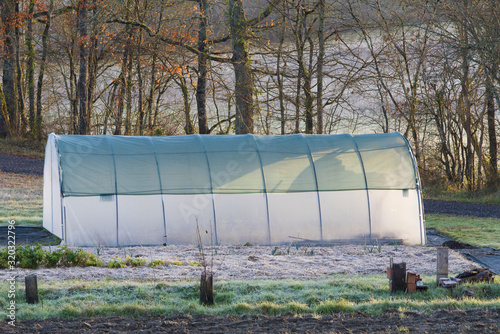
x=428 y=69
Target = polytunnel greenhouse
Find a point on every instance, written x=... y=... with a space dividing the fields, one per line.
x=124 y=191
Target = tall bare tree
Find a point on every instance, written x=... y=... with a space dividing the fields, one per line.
x=244 y=87
x=9 y=77
x=83 y=121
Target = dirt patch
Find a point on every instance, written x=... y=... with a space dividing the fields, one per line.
x=254 y=262
x=452 y=244
x=475 y=321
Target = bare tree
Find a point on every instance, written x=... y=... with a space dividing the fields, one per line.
x=83 y=121
x=10 y=119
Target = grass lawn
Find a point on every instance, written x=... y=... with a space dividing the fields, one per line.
x=340 y=293
x=480 y=232
x=21 y=199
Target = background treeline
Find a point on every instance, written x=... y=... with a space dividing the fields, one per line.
x=429 y=69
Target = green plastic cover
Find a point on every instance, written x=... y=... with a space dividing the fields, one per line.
x=204 y=164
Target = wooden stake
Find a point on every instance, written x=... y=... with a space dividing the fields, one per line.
x=31 y=285
x=442 y=263
x=398 y=281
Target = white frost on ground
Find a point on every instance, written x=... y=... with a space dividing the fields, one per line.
x=253 y=262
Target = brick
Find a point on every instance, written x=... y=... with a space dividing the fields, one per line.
x=411 y=287
x=411 y=277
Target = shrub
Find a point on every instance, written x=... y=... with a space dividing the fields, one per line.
x=116 y=262
x=156 y=263
x=4 y=258
x=79 y=258
x=93 y=261
x=194 y=263
x=32 y=257
x=176 y=263
x=53 y=259
x=134 y=262
x=29 y=257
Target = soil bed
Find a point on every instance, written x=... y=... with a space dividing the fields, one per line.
x=475 y=321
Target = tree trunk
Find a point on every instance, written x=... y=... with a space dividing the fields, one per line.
x=188 y=127
x=202 y=69
x=493 y=177
x=30 y=70
x=309 y=98
x=385 y=115
x=299 y=45
x=279 y=76
x=243 y=76
x=321 y=57
x=83 y=122
x=92 y=67
x=109 y=108
x=121 y=92
x=23 y=126
x=128 y=114
x=466 y=109
x=447 y=157
x=152 y=87
x=4 y=116
x=45 y=47
x=140 y=106
x=73 y=84
x=9 y=66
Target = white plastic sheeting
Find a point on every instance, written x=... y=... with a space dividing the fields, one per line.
x=121 y=191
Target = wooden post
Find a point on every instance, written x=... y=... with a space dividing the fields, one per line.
x=398 y=280
x=442 y=263
x=206 y=289
x=31 y=289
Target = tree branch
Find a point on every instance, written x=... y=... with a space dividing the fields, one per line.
x=212 y=128
x=168 y=40
x=265 y=13
x=56 y=12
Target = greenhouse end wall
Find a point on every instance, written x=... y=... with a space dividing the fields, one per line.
x=124 y=191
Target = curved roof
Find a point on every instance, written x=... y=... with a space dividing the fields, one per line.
x=201 y=164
